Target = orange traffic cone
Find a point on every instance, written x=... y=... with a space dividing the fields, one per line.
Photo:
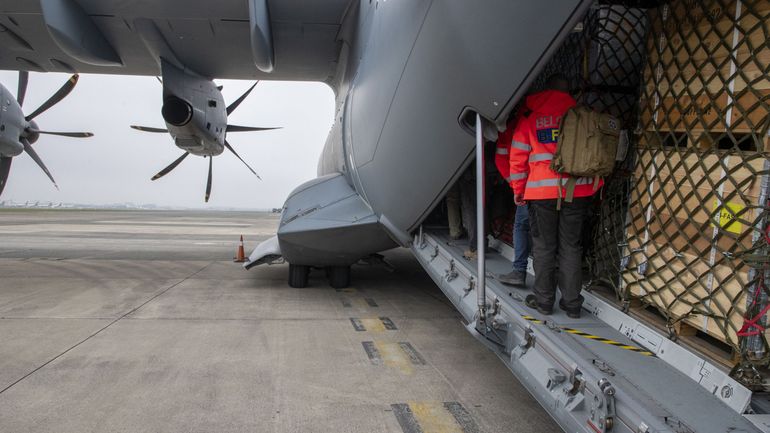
x=240 y=256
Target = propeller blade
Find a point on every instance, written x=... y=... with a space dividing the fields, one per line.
x=22 y=92
x=236 y=128
x=238 y=101
x=230 y=148
x=56 y=98
x=65 y=134
x=172 y=166
x=5 y=168
x=31 y=152
x=149 y=129
x=208 y=182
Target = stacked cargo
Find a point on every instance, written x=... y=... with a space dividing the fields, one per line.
x=696 y=242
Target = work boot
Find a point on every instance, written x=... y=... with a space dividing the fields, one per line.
x=470 y=254
x=531 y=302
x=571 y=312
x=513 y=278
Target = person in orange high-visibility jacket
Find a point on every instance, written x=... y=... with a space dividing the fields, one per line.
x=521 y=241
x=556 y=232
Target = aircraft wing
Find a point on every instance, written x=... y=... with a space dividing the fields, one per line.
x=214 y=38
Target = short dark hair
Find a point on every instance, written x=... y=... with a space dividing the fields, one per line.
x=557 y=82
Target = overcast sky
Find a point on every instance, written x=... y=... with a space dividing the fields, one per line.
x=116 y=165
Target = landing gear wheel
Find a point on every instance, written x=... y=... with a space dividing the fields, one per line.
x=298 y=276
x=339 y=276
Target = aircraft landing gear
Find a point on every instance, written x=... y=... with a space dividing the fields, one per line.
x=339 y=276
x=298 y=276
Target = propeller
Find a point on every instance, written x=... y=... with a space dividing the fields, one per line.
x=230 y=128
x=56 y=98
x=22 y=92
x=5 y=168
x=238 y=101
x=172 y=166
x=236 y=128
x=31 y=152
x=149 y=129
x=63 y=134
x=30 y=132
x=230 y=148
x=208 y=182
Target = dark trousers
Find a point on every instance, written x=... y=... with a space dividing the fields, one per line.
x=557 y=240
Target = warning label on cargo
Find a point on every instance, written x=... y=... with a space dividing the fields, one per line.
x=727 y=216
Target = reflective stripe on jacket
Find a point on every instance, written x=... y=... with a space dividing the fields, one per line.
x=532 y=146
x=503 y=151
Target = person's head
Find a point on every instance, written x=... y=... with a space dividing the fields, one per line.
x=557 y=82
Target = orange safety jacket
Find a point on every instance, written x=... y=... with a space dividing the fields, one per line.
x=503 y=151
x=532 y=146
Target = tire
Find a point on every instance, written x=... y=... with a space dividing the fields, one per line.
x=298 y=276
x=339 y=276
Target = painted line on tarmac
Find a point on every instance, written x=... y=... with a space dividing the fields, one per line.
x=405 y=418
x=371 y=302
x=372 y=352
x=133 y=310
x=412 y=353
x=388 y=323
x=401 y=356
x=348 y=290
x=434 y=417
x=377 y=325
x=462 y=417
x=357 y=325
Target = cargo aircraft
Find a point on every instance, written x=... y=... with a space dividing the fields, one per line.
x=419 y=85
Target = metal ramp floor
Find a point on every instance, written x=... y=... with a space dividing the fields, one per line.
x=589 y=375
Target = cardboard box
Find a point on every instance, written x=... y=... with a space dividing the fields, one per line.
x=707 y=71
x=691 y=218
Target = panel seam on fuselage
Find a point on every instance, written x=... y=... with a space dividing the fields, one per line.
x=398 y=84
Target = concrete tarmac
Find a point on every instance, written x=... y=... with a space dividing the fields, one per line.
x=131 y=321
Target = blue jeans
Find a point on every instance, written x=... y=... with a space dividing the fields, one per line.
x=521 y=241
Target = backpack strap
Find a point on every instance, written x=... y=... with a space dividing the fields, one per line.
x=571 y=182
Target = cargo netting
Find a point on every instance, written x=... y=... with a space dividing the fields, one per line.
x=682 y=224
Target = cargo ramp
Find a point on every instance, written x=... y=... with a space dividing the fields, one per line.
x=604 y=372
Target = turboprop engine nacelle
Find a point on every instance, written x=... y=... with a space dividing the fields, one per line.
x=12 y=124
x=194 y=111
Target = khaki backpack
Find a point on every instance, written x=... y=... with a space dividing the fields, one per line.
x=587 y=146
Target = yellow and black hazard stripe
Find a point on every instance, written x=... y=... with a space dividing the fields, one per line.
x=592 y=337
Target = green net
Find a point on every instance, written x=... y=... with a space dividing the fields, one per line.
x=682 y=224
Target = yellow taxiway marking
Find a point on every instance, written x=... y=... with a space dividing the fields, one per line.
x=433 y=417
x=373 y=325
x=393 y=356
